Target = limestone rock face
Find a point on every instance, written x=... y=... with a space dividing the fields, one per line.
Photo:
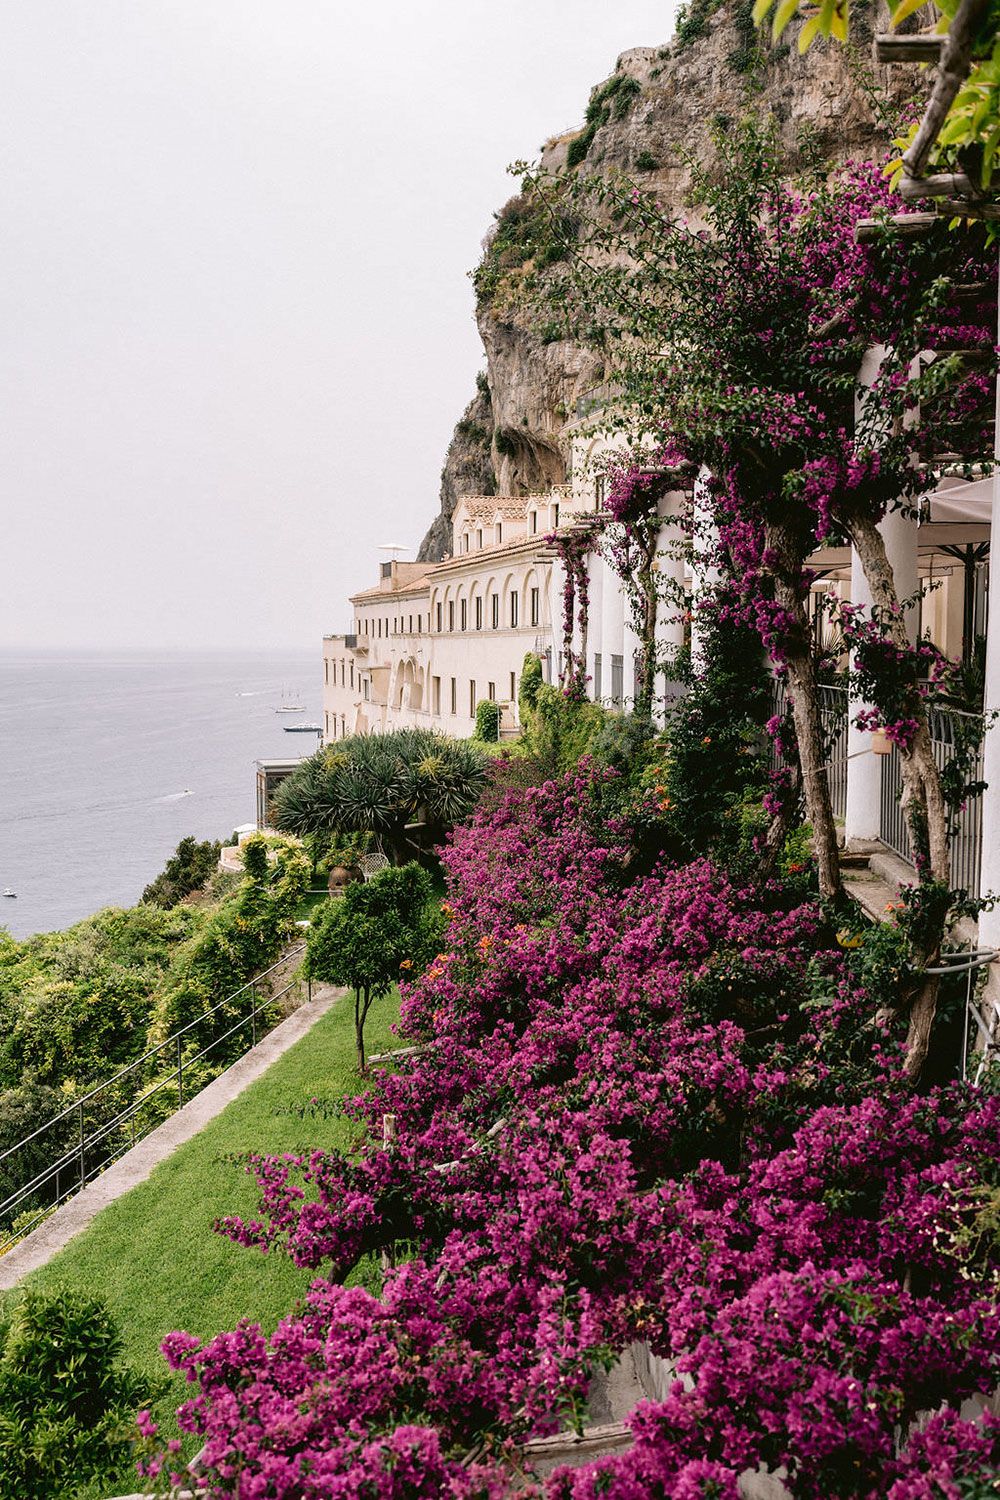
x=468 y=470
x=649 y=118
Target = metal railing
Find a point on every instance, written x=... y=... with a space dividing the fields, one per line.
x=834 y=714
x=62 y=1155
x=967 y=838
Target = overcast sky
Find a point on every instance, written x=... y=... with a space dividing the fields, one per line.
x=235 y=320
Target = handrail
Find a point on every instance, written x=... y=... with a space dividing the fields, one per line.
x=104 y=1131
x=174 y=1037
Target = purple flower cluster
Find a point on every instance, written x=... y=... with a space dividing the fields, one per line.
x=655 y=1111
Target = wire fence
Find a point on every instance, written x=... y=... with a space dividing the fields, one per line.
x=69 y=1150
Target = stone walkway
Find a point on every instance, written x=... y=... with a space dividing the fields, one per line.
x=136 y=1165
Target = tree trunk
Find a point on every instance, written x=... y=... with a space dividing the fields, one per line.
x=646 y=682
x=360 y=1012
x=804 y=694
x=923 y=798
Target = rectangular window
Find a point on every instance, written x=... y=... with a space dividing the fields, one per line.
x=352 y=674
x=366 y=688
x=513 y=687
x=454 y=695
x=600 y=484
x=495 y=602
x=463 y=614
x=326 y=671
x=513 y=611
x=534 y=606
x=479 y=611
x=451 y=614
x=617 y=680
x=409 y=623
x=491 y=691
x=436 y=695
x=597 y=677
x=555 y=512
x=472 y=700
x=439 y=608
x=380 y=627
x=465 y=542
x=420 y=624
x=499 y=532
x=479 y=539
x=534 y=523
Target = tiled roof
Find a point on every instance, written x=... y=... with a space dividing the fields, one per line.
x=511 y=507
x=412 y=586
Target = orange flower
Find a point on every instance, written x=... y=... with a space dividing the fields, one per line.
x=485 y=943
x=407 y=963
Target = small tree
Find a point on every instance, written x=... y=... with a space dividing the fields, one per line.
x=488 y=721
x=383 y=784
x=364 y=939
x=527 y=689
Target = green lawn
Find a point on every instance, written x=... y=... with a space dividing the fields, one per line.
x=153 y=1255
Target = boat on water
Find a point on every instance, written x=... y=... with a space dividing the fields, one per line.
x=11 y=895
x=290 y=708
x=303 y=728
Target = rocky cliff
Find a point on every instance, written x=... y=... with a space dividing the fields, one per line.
x=654 y=112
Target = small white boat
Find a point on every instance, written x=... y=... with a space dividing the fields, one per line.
x=290 y=708
x=11 y=895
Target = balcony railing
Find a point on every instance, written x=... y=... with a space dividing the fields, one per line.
x=967 y=836
x=833 y=712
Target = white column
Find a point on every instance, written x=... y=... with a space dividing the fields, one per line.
x=703 y=573
x=612 y=626
x=670 y=565
x=862 y=819
x=596 y=572
x=989 y=921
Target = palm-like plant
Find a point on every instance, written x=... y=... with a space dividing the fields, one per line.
x=382 y=784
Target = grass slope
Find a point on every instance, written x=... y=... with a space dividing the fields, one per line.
x=153 y=1256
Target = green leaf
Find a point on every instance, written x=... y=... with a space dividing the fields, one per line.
x=808 y=33
x=786 y=12
x=904 y=9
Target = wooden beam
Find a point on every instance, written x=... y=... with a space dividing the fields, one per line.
x=940 y=185
x=891 y=48
x=956 y=59
x=968 y=208
x=910 y=226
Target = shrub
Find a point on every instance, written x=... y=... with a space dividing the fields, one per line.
x=560 y=731
x=186 y=870
x=67 y=1403
x=528 y=684
x=488 y=721
x=646 y=162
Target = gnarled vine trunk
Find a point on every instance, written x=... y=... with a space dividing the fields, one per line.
x=923 y=801
x=786 y=570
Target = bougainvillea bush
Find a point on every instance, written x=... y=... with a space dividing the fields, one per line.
x=661 y=1111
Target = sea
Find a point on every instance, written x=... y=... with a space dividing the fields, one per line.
x=108 y=759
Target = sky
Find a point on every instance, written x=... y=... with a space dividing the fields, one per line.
x=236 y=325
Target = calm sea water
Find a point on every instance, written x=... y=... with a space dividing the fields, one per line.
x=107 y=760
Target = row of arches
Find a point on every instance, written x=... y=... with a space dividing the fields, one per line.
x=499 y=602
